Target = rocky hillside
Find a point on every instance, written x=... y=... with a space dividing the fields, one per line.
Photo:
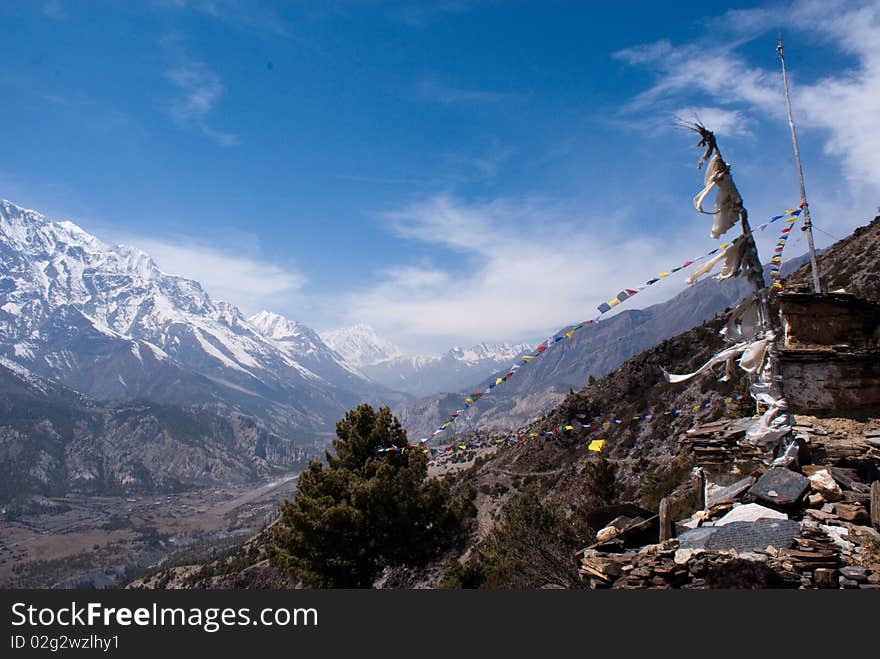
x=851 y=264
x=54 y=441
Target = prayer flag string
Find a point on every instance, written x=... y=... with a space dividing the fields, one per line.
x=593 y=445
x=789 y=215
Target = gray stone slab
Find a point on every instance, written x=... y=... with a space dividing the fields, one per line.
x=716 y=494
x=742 y=536
x=695 y=538
x=780 y=486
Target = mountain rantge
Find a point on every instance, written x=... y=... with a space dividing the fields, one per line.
x=107 y=322
x=420 y=375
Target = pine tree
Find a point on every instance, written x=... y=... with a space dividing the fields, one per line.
x=366 y=510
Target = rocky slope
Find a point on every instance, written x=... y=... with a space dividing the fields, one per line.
x=54 y=441
x=851 y=264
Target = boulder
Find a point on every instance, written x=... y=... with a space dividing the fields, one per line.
x=780 y=486
x=749 y=513
x=823 y=482
x=604 y=535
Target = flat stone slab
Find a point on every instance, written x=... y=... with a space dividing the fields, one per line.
x=780 y=486
x=716 y=494
x=742 y=536
x=749 y=512
x=695 y=538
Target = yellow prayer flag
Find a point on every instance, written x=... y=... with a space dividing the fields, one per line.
x=569 y=333
x=569 y=427
x=596 y=445
x=663 y=275
x=613 y=303
x=528 y=358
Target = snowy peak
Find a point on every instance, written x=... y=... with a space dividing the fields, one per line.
x=273 y=326
x=489 y=351
x=360 y=345
x=60 y=285
x=419 y=375
x=300 y=343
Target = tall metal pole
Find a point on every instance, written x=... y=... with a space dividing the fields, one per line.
x=808 y=223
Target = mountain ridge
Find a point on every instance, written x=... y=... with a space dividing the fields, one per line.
x=108 y=322
x=55 y=441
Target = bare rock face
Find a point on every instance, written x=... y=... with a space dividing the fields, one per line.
x=54 y=441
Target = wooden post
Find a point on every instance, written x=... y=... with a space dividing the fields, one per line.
x=875 y=504
x=665 y=520
x=808 y=222
x=701 y=485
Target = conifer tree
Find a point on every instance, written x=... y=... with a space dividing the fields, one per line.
x=365 y=510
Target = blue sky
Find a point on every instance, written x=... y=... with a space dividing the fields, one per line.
x=447 y=172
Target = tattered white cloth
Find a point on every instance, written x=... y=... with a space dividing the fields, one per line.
x=728 y=202
x=732 y=256
x=744 y=322
x=771 y=426
x=752 y=357
x=752 y=360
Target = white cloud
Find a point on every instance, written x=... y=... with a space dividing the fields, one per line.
x=249 y=283
x=845 y=106
x=199 y=90
x=534 y=267
x=711 y=67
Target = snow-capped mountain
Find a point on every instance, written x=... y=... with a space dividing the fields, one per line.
x=500 y=352
x=457 y=368
x=106 y=321
x=303 y=345
x=418 y=375
x=360 y=346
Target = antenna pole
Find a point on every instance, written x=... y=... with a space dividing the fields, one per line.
x=808 y=223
